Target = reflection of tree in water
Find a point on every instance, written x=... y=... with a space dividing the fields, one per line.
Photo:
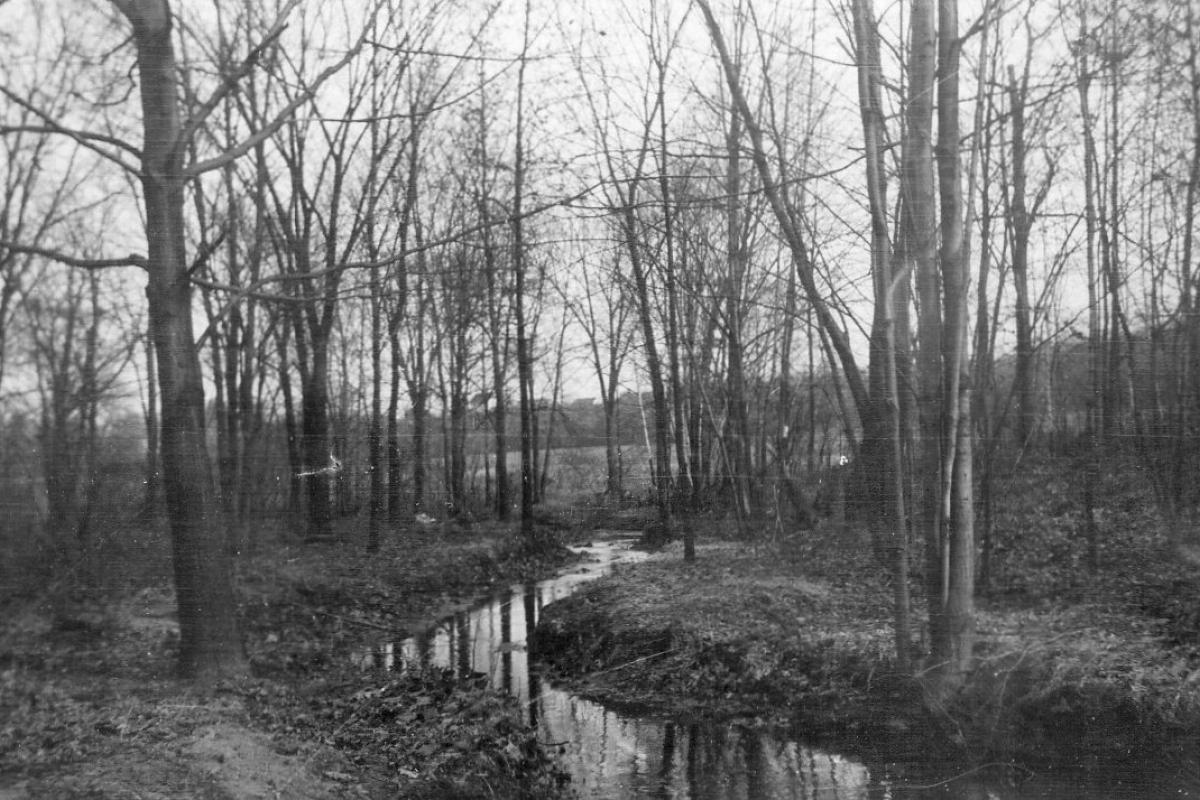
x=610 y=756
x=506 y=665
x=613 y=756
x=668 y=761
x=532 y=681
x=462 y=637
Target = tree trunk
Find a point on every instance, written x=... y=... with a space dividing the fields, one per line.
x=375 y=463
x=984 y=353
x=456 y=455
x=917 y=188
x=419 y=393
x=1020 y=224
x=958 y=581
x=735 y=379
x=661 y=476
x=1098 y=412
x=291 y=431
x=315 y=446
x=210 y=647
x=153 y=477
x=407 y=218
x=887 y=354
x=524 y=346
x=669 y=285
x=498 y=335
x=945 y=512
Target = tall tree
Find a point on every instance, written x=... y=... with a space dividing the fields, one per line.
x=1022 y=214
x=210 y=646
x=519 y=256
x=952 y=622
x=890 y=352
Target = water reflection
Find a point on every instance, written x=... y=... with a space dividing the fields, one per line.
x=611 y=756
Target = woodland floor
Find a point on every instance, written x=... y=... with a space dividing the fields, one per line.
x=89 y=707
x=796 y=631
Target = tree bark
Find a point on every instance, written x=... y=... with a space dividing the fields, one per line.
x=210 y=646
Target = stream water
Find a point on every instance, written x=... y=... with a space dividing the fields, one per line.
x=613 y=756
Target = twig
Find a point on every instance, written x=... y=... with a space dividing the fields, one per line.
x=356 y=621
x=961 y=775
x=635 y=661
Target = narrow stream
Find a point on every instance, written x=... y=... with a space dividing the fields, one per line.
x=613 y=756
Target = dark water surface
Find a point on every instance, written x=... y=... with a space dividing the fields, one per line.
x=612 y=756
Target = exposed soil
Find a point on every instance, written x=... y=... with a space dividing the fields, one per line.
x=89 y=707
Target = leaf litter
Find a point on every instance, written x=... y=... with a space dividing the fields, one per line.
x=89 y=707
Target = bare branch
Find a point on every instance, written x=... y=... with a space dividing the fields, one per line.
x=459 y=235
x=231 y=81
x=254 y=290
x=131 y=260
x=74 y=134
x=206 y=251
x=283 y=116
x=83 y=138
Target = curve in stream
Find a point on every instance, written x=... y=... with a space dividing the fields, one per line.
x=612 y=756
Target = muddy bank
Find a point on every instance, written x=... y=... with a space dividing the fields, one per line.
x=804 y=642
x=90 y=707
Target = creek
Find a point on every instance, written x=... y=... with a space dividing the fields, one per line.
x=613 y=756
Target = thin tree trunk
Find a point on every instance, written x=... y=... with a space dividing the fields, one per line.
x=555 y=395
x=735 y=379
x=892 y=486
x=153 y=477
x=1098 y=411
x=958 y=603
x=524 y=356
x=917 y=188
x=377 y=504
x=669 y=285
x=1189 y=352
x=984 y=352
x=1020 y=224
x=295 y=459
x=395 y=509
x=407 y=214
x=498 y=349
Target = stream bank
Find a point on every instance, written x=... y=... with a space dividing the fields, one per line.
x=90 y=708
x=786 y=637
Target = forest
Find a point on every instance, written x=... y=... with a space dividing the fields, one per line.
x=321 y=320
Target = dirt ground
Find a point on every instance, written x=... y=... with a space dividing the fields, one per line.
x=89 y=707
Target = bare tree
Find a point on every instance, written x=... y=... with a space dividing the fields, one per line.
x=210 y=646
